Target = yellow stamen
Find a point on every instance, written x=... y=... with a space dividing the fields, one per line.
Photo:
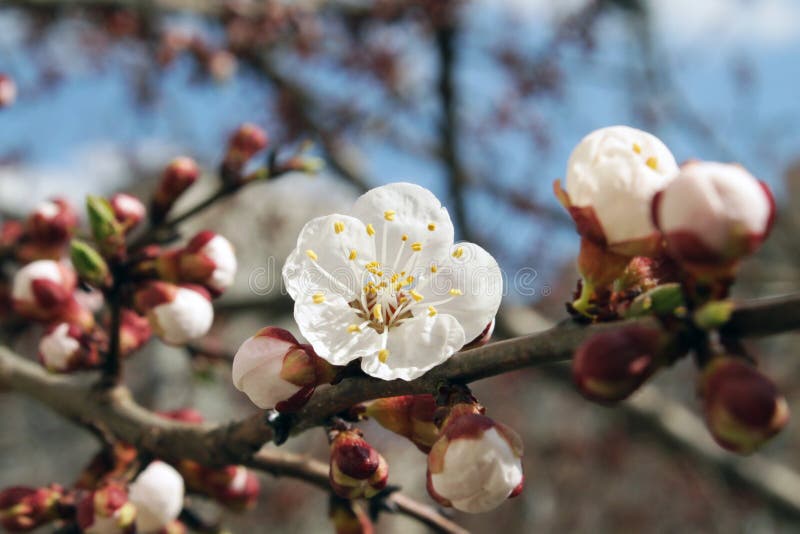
x=637 y=148
x=402 y=298
x=395 y=277
x=416 y=247
x=383 y=354
x=456 y=292
x=338 y=227
x=370 y=230
x=434 y=268
x=372 y=265
x=431 y=311
x=431 y=227
x=353 y=254
x=376 y=312
x=311 y=254
x=318 y=298
x=405 y=237
x=353 y=328
x=416 y=296
x=388 y=215
x=457 y=253
x=652 y=162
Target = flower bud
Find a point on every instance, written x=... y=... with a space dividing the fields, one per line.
x=209 y=260
x=157 y=494
x=348 y=517
x=356 y=469
x=23 y=509
x=243 y=144
x=713 y=214
x=611 y=365
x=476 y=463
x=42 y=289
x=53 y=222
x=134 y=331
x=89 y=264
x=275 y=371
x=612 y=175
x=233 y=486
x=177 y=314
x=8 y=91
x=178 y=176
x=128 y=210
x=107 y=231
x=66 y=347
x=743 y=408
x=411 y=416
x=107 y=510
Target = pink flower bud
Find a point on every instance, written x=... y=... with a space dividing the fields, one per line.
x=356 y=469
x=177 y=314
x=244 y=143
x=612 y=175
x=157 y=494
x=8 y=91
x=743 y=408
x=609 y=366
x=476 y=463
x=349 y=518
x=23 y=509
x=209 y=260
x=178 y=176
x=134 y=331
x=53 y=222
x=713 y=214
x=128 y=209
x=42 y=288
x=411 y=416
x=275 y=371
x=107 y=510
x=66 y=347
x=233 y=486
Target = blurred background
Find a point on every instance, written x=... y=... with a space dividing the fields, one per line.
x=480 y=101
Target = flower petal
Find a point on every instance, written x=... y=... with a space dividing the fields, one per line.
x=321 y=261
x=324 y=324
x=475 y=273
x=416 y=346
x=414 y=212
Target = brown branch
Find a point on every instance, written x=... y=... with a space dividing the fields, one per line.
x=279 y=463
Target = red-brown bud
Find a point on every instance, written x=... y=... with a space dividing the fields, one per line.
x=128 y=209
x=42 y=289
x=178 y=176
x=356 y=469
x=107 y=510
x=244 y=143
x=743 y=408
x=411 y=416
x=110 y=463
x=134 y=331
x=53 y=222
x=23 y=509
x=609 y=366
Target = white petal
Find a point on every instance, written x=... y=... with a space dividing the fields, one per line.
x=301 y=274
x=476 y=274
x=478 y=474
x=415 y=346
x=37 y=270
x=187 y=317
x=414 y=208
x=58 y=347
x=157 y=494
x=221 y=253
x=324 y=325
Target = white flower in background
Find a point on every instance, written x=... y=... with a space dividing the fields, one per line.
x=612 y=176
x=714 y=213
x=476 y=463
x=388 y=285
x=157 y=494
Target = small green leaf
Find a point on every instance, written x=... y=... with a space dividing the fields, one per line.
x=665 y=299
x=87 y=261
x=713 y=315
x=107 y=231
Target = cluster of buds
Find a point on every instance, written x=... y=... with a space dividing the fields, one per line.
x=247 y=141
x=177 y=314
x=476 y=464
x=208 y=259
x=275 y=371
x=410 y=416
x=233 y=486
x=8 y=91
x=743 y=408
x=610 y=366
x=23 y=509
x=357 y=470
x=629 y=199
